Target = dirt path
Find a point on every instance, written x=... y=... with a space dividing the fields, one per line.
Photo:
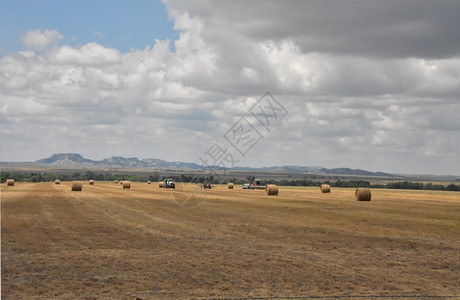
x=106 y=242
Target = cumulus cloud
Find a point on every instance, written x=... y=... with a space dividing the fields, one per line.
x=89 y=54
x=367 y=84
x=41 y=39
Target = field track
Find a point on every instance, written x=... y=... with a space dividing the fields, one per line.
x=106 y=242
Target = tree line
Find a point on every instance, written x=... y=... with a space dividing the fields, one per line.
x=213 y=179
x=406 y=185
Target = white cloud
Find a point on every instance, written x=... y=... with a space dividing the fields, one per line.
x=390 y=111
x=40 y=40
x=89 y=54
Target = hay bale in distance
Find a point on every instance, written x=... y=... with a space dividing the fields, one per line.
x=91 y=182
x=126 y=184
x=161 y=184
x=363 y=194
x=325 y=188
x=121 y=182
x=149 y=182
x=271 y=190
x=116 y=181
x=57 y=181
x=269 y=185
x=10 y=182
x=230 y=185
x=77 y=186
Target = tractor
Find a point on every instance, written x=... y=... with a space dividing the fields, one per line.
x=257 y=185
x=169 y=184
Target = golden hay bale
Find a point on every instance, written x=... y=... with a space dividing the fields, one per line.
x=91 y=182
x=121 y=182
x=271 y=190
x=116 y=181
x=161 y=184
x=10 y=182
x=77 y=186
x=268 y=185
x=363 y=194
x=126 y=184
x=149 y=182
x=230 y=185
x=57 y=181
x=325 y=188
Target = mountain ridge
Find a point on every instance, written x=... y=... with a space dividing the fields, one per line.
x=75 y=160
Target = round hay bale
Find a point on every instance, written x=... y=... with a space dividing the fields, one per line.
x=269 y=185
x=57 y=181
x=161 y=184
x=149 y=182
x=116 y=181
x=325 y=188
x=77 y=186
x=10 y=182
x=121 y=182
x=126 y=184
x=363 y=194
x=230 y=185
x=271 y=190
x=91 y=182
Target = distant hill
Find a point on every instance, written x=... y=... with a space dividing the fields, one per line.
x=66 y=159
x=76 y=161
x=348 y=171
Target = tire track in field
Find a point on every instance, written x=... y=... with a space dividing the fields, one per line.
x=131 y=209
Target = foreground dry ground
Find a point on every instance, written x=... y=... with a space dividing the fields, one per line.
x=106 y=242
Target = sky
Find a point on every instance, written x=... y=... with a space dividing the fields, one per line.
x=363 y=84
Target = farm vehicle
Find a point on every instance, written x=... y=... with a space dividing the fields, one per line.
x=169 y=184
x=257 y=185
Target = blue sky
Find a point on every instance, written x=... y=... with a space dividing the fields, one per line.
x=119 y=24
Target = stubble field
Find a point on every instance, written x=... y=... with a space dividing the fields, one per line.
x=106 y=242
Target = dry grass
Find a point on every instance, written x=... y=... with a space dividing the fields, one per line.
x=103 y=243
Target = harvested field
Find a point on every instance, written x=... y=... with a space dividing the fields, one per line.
x=104 y=242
